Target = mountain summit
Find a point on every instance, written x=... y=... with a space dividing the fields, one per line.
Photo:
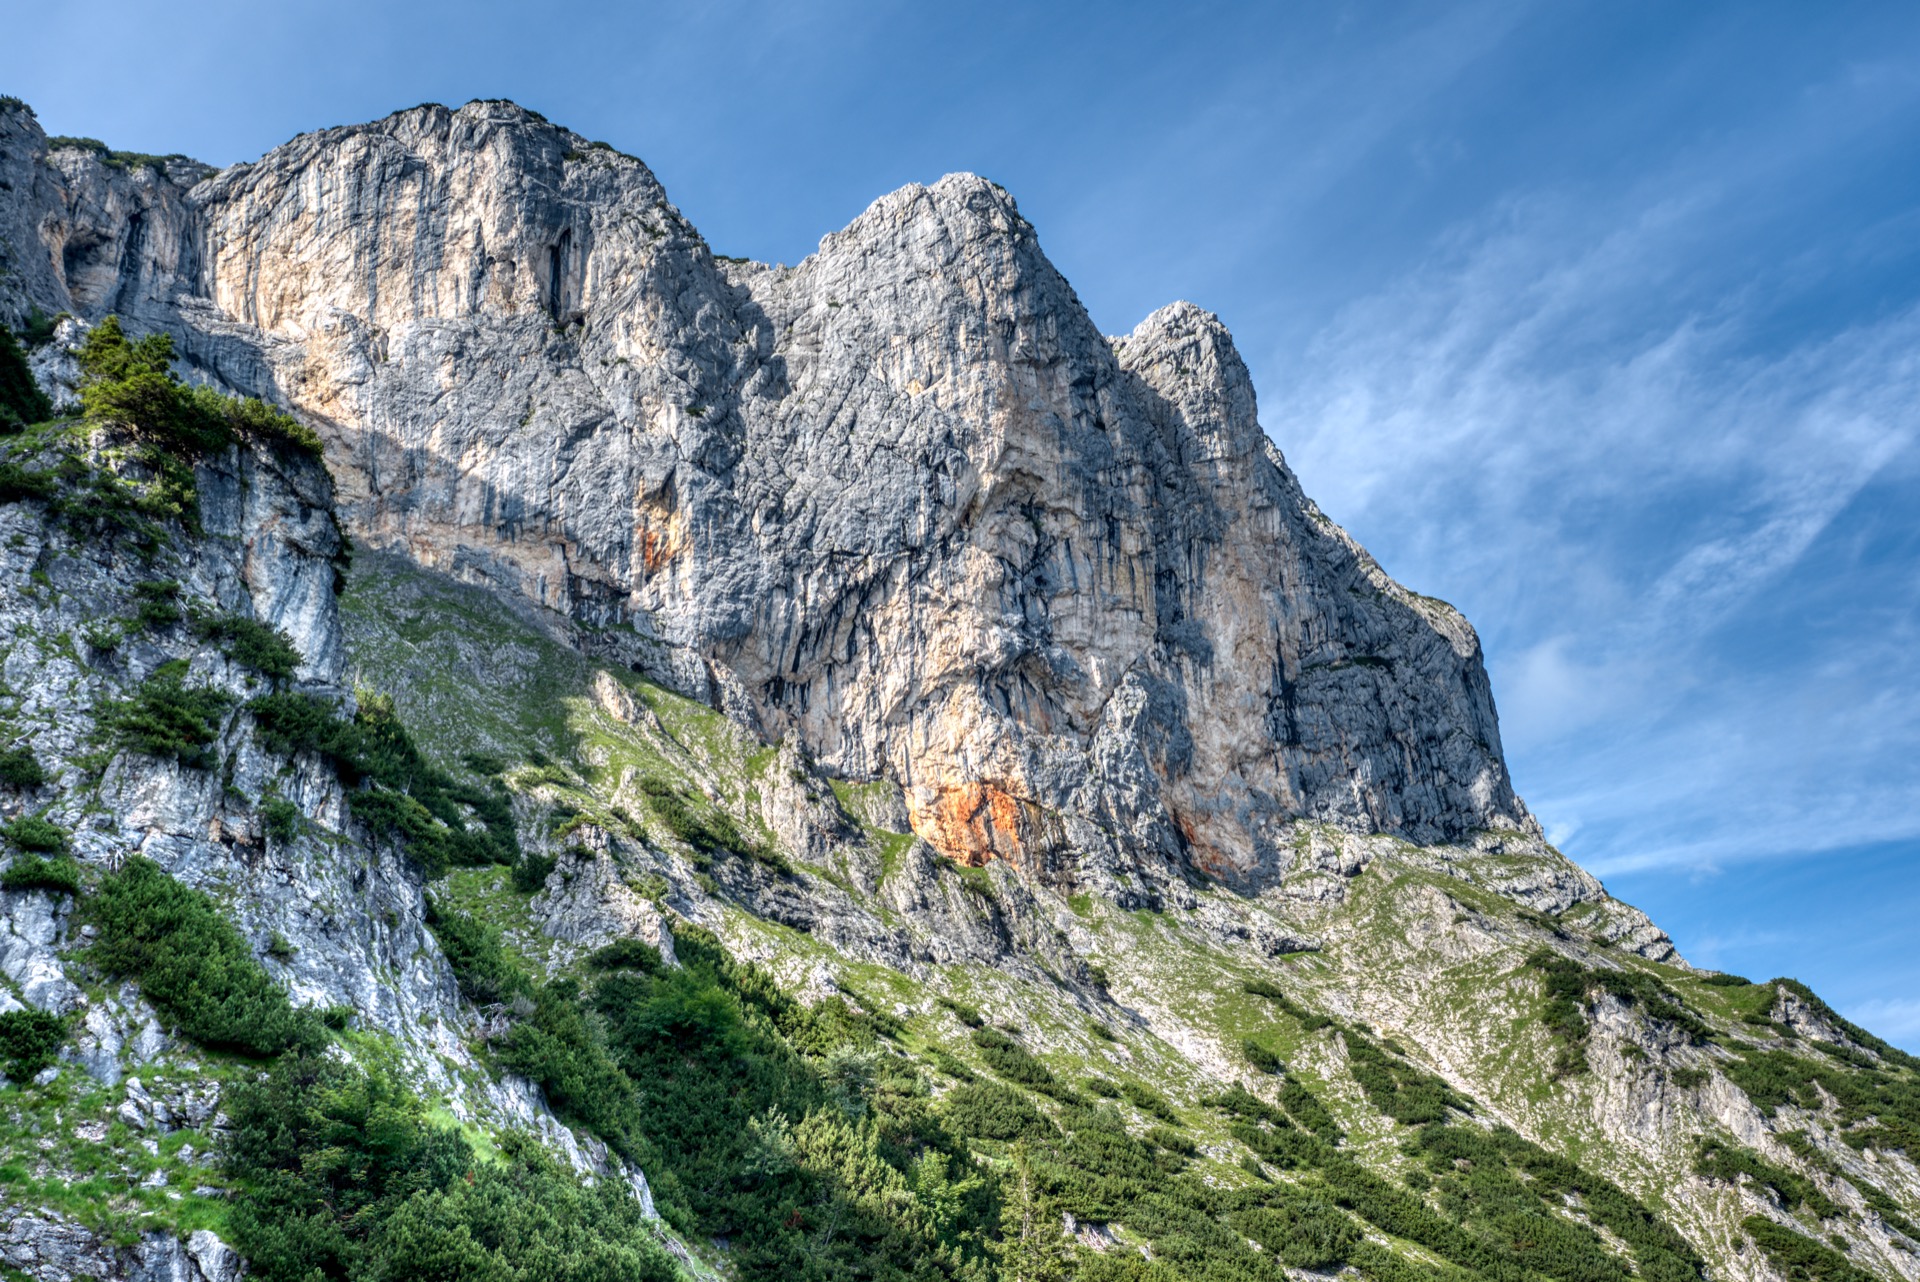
x=839 y=770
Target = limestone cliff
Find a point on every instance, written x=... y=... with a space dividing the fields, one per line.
x=902 y=501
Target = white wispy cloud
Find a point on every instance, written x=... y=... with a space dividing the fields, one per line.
x=1573 y=419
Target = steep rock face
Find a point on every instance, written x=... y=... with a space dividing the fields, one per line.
x=902 y=501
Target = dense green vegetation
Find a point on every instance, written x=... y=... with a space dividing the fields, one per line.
x=131 y=382
x=29 y=1040
x=19 y=768
x=166 y=717
x=21 y=400
x=1879 y=1103
x=396 y=790
x=1571 y=988
x=250 y=643
x=1798 y=1256
x=1719 y=1160
x=191 y=963
x=342 y=1176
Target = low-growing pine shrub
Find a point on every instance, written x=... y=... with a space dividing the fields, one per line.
x=61 y=875
x=191 y=963
x=165 y=717
x=19 y=768
x=29 y=1041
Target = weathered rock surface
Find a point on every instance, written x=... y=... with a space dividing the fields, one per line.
x=902 y=500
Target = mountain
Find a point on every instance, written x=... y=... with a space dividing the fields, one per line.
x=534 y=746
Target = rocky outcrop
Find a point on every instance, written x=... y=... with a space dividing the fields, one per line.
x=51 y=1249
x=902 y=500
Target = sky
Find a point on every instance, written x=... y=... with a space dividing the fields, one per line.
x=1600 y=320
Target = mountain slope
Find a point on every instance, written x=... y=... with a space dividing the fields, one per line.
x=976 y=815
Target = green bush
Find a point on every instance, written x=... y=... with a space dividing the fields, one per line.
x=29 y=1041
x=252 y=644
x=191 y=963
x=400 y=793
x=281 y=819
x=531 y=872
x=1396 y=1088
x=21 y=400
x=32 y=833
x=625 y=954
x=339 y=1175
x=131 y=382
x=1010 y=1059
x=1570 y=989
x=17 y=483
x=61 y=876
x=1148 y=1100
x=480 y=963
x=19 y=768
x=1719 y=1160
x=964 y=1013
x=710 y=833
x=1303 y=1232
x=1306 y=1109
x=156 y=603
x=994 y=1112
x=1262 y=1059
x=165 y=717
x=1798 y=1257
x=1309 y=1021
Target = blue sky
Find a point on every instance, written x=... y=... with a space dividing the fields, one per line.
x=1601 y=320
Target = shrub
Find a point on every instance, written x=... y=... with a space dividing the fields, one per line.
x=408 y=797
x=19 y=768
x=17 y=483
x=191 y=963
x=1303 y=1232
x=1148 y=1100
x=1396 y=1088
x=1010 y=1059
x=531 y=873
x=708 y=834
x=1798 y=1257
x=30 y=872
x=32 y=833
x=1173 y=1141
x=481 y=966
x=132 y=382
x=625 y=954
x=1571 y=986
x=340 y=1175
x=964 y=1013
x=280 y=948
x=21 y=400
x=990 y=1111
x=1306 y=1109
x=165 y=717
x=1718 y=1160
x=1727 y=981
x=281 y=819
x=250 y=643
x=156 y=603
x=1262 y=1059
x=29 y=1041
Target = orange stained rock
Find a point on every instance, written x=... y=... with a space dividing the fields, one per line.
x=971 y=822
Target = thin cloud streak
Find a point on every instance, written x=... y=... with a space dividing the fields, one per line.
x=1666 y=473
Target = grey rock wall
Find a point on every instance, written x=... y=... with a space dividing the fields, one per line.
x=902 y=500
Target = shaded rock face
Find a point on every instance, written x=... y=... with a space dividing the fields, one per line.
x=902 y=502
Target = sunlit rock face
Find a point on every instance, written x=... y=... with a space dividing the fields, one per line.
x=903 y=502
